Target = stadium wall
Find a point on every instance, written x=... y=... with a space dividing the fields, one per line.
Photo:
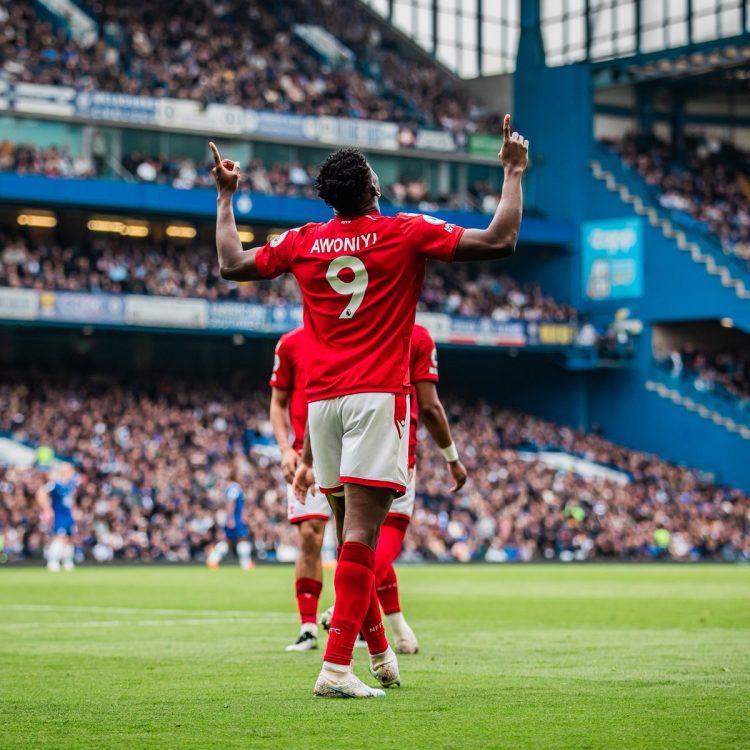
x=530 y=382
x=674 y=287
x=630 y=414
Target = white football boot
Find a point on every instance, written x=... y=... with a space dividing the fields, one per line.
x=335 y=681
x=404 y=640
x=308 y=638
x=384 y=668
x=325 y=618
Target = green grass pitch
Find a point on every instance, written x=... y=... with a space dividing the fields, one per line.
x=590 y=656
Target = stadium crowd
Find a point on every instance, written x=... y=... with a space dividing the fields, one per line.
x=181 y=172
x=154 y=457
x=243 y=53
x=706 y=183
x=725 y=372
x=50 y=161
x=126 y=265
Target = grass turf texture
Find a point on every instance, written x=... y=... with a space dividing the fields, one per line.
x=512 y=657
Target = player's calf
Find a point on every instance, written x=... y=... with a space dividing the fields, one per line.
x=68 y=559
x=244 y=554
x=55 y=554
x=308 y=592
x=388 y=549
x=308 y=580
x=217 y=554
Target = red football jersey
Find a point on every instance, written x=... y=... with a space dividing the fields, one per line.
x=289 y=375
x=360 y=279
x=423 y=365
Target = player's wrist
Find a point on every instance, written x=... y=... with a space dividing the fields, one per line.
x=450 y=453
x=514 y=170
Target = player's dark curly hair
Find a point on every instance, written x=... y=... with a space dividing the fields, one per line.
x=344 y=180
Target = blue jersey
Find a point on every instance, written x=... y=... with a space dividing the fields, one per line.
x=62 y=495
x=62 y=498
x=234 y=494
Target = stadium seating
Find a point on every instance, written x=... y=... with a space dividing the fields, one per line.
x=727 y=373
x=252 y=56
x=151 y=454
x=181 y=172
x=704 y=184
x=120 y=265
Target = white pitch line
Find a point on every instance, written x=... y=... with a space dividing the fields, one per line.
x=144 y=623
x=224 y=613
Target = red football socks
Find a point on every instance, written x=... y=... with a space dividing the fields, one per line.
x=353 y=581
x=372 y=627
x=308 y=592
x=389 y=546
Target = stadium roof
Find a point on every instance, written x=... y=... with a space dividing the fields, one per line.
x=480 y=37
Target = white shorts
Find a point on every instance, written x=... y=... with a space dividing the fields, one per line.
x=404 y=505
x=316 y=506
x=363 y=439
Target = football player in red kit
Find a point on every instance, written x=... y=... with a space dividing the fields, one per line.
x=288 y=417
x=361 y=274
x=425 y=404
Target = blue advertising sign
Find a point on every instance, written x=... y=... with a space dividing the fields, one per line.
x=152 y=311
x=81 y=307
x=612 y=259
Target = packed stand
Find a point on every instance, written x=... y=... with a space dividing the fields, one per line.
x=133 y=266
x=477 y=291
x=241 y=53
x=706 y=186
x=724 y=373
x=50 y=161
x=154 y=459
x=183 y=173
x=518 y=508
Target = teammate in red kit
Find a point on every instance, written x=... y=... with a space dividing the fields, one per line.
x=426 y=404
x=288 y=417
x=361 y=275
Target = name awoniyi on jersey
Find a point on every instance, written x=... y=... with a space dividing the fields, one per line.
x=361 y=279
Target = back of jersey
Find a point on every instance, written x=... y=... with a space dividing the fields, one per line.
x=360 y=280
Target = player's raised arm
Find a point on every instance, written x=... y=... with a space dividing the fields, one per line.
x=234 y=262
x=499 y=239
x=433 y=416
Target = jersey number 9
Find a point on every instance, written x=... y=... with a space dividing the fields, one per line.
x=355 y=288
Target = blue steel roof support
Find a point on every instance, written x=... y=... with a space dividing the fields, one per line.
x=434 y=26
x=480 y=40
x=638 y=27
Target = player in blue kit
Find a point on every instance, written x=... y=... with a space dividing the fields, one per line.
x=56 y=501
x=236 y=530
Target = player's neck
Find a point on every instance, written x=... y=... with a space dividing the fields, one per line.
x=371 y=207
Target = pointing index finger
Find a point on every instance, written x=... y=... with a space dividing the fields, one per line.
x=506 y=128
x=215 y=152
